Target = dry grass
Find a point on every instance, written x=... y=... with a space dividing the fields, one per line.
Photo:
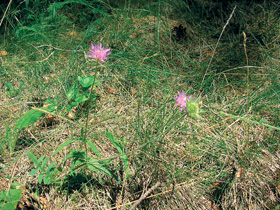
x=219 y=162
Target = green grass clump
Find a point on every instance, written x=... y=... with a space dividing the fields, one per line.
x=77 y=133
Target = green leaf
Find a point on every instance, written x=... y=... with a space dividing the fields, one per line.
x=8 y=206
x=40 y=178
x=69 y=107
x=94 y=165
x=41 y=158
x=93 y=148
x=52 y=105
x=79 y=158
x=34 y=171
x=26 y=3
x=12 y=194
x=9 y=199
x=100 y=179
x=33 y=158
x=50 y=167
x=115 y=143
x=88 y=81
x=120 y=149
x=76 y=154
x=9 y=137
x=48 y=179
x=16 y=185
x=45 y=162
x=125 y=163
x=80 y=98
x=65 y=144
x=71 y=94
x=76 y=164
x=29 y=118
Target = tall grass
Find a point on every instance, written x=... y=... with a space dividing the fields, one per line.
x=137 y=140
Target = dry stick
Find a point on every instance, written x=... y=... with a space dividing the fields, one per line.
x=248 y=74
x=144 y=196
x=5 y=12
x=179 y=186
x=247 y=62
x=214 y=51
x=10 y=2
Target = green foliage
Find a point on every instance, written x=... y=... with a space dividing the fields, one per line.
x=29 y=118
x=88 y=142
x=87 y=10
x=24 y=31
x=47 y=173
x=121 y=150
x=52 y=105
x=194 y=108
x=102 y=167
x=11 y=91
x=86 y=82
x=11 y=136
x=9 y=199
x=54 y=7
x=81 y=160
x=225 y=157
x=9 y=140
x=76 y=96
x=81 y=94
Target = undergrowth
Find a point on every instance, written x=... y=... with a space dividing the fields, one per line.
x=80 y=133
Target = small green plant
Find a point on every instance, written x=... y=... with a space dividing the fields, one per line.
x=11 y=136
x=80 y=161
x=48 y=173
x=120 y=146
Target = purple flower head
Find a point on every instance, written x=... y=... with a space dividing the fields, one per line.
x=181 y=100
x=99 y=52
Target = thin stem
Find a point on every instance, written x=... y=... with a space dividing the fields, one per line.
x=87 y=118
x=247 y=81
x=214 y=51
x=251 y=121
x=5 y=12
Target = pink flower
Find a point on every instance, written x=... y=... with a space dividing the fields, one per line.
x=99 y=52
x=182 y=99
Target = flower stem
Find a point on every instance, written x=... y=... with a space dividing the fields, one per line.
x=87 y=116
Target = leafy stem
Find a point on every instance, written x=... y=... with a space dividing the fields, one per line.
x=88 y=108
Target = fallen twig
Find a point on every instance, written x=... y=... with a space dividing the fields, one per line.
x=144 y=196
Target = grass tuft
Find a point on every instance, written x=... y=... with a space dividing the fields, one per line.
x=77 y=133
